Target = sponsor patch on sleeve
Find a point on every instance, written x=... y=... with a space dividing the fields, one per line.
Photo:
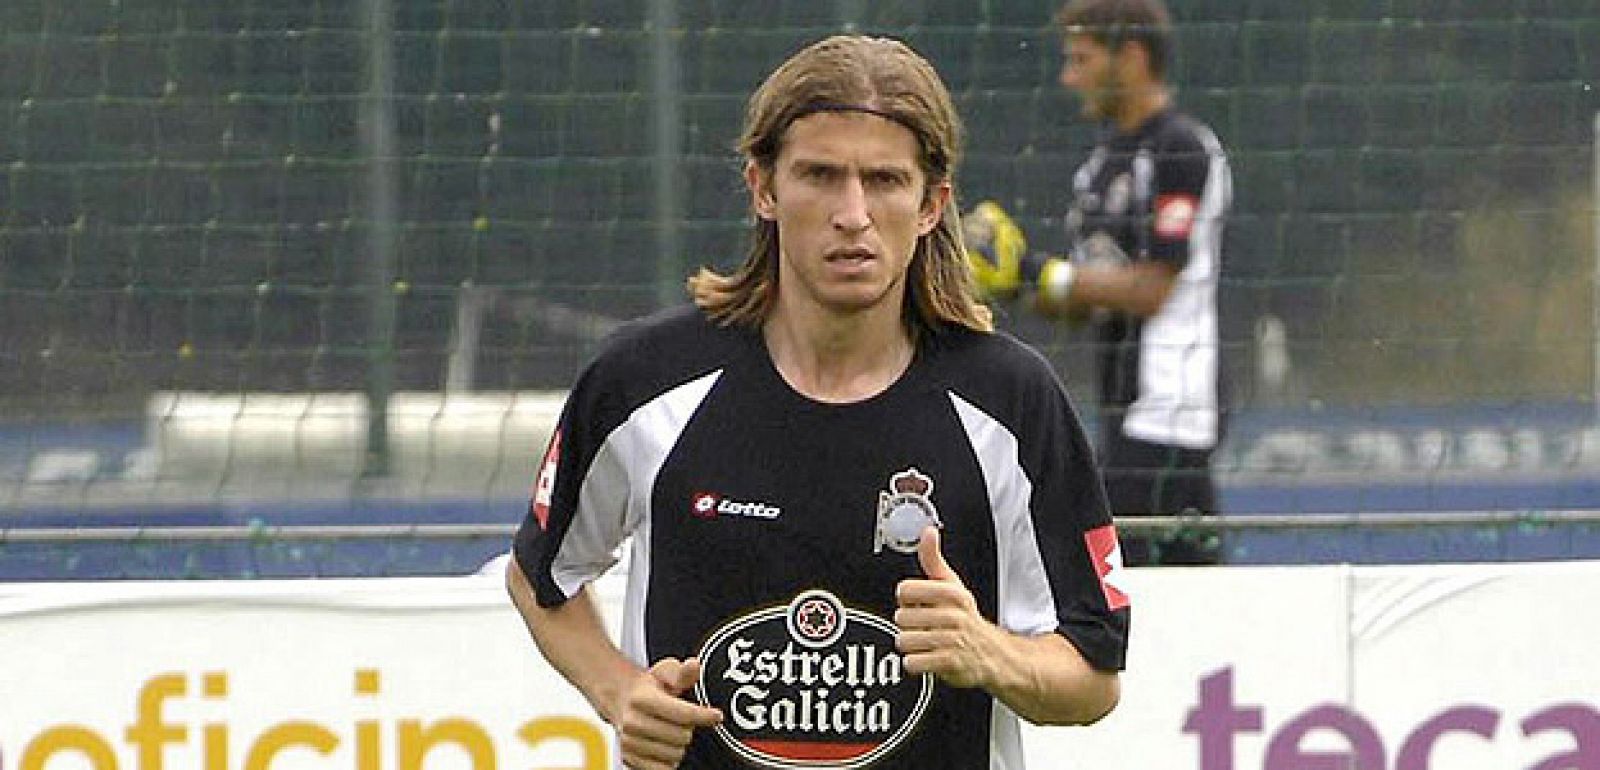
x=1175 y=215
x=1107 y=555
x=544 y=485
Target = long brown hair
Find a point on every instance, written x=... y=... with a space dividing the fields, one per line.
x=870 y=74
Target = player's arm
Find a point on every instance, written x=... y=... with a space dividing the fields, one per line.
x=1068 y=287
x=573 y=639
x=1042 y=678
x=1046 y=681
x=653 y=724
x=1138 y=288
x=1060 y=287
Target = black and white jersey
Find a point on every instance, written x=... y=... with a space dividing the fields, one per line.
x=768 y=533
x=1159 y=193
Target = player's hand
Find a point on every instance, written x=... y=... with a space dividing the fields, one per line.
x=995 y=249
x=941 y=630
x=654 y=724
x=1054 y=297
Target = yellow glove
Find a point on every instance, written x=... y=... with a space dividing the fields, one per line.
x=995 y=249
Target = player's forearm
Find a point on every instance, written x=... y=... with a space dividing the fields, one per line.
x=573 y=638
x=1046 y=681
x=1138 y=289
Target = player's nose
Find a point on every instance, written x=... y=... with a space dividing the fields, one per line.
x=850 y=212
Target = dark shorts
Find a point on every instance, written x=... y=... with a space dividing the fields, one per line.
x=1144 y=479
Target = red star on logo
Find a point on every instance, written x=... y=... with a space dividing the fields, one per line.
x=815 y=619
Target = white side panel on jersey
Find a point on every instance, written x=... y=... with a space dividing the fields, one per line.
x=1005 y=738
x=1025 y=603
x=1178 y=353
x=589 y=547
x=614 y=500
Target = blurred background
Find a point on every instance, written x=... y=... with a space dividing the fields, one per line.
x=295 y=287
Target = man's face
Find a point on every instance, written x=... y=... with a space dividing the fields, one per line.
x=850 y=203
x=1089 y=70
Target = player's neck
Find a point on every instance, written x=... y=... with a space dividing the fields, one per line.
x=1141 y=104
x=838 y=360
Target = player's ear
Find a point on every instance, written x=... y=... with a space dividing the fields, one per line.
x=762 y=201
x=933 y=203
x=1132 y=56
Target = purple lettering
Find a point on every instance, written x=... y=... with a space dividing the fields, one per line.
x=1579 y=719
x=1216 y=720
x=1284 y=753
x=1415 y=751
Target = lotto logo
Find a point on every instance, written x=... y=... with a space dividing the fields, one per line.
x=705 y=506
x=709 y=505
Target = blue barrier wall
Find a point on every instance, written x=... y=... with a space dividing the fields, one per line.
x=1273 y=463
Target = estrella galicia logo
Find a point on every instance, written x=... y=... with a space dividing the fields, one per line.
x=811 y=684
x=904 y=511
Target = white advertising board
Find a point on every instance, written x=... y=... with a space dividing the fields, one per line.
x=1447 y=667
x=1234 y=668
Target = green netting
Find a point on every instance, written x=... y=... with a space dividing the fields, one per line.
x=185 y=202
x=186 y=199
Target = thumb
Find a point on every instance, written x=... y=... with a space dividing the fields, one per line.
x=931 y=557
x=676 y=676
x=688 y=674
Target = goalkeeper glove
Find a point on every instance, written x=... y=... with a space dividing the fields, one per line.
x=995 y=249
x=1001 y=263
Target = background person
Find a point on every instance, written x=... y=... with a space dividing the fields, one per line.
x=1145 y=233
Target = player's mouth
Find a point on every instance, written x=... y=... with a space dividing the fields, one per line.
x=850 y=256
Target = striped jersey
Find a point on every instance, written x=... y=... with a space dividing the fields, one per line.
x=1160 y=193
x=766 y=533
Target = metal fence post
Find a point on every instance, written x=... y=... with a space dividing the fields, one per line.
x=666 y=99
x=382 y=211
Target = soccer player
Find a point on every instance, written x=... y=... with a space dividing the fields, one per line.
x=864 y=528
x=1145 y=233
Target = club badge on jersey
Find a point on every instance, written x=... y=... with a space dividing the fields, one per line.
x=904 y=511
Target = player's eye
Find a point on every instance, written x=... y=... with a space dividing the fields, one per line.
x=886 y=180
x=818 y=173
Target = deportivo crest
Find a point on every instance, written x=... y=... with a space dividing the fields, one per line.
x=904 y=511
x=811 y=684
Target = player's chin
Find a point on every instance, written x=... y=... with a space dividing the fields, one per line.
x=1097 y=106
x=857 y=297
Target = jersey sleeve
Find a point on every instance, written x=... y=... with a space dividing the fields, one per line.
x=1071 y=523
x=577 y=514
x=1182 y=171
